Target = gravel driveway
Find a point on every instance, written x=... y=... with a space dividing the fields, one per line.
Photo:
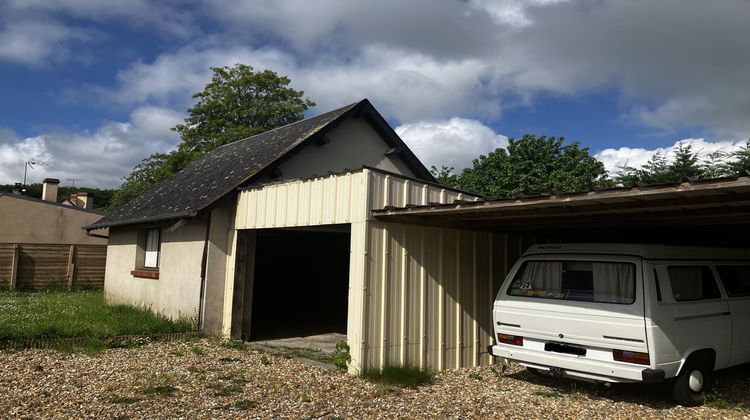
x=203 y=379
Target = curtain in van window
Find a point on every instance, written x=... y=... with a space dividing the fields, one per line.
x=543 y=275
x=613 y=282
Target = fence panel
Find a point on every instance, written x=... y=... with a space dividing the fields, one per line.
x=42 y=266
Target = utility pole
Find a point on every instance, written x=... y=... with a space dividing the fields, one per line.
x=73 y=181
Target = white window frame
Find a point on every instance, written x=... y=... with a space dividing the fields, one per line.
x=152 y=248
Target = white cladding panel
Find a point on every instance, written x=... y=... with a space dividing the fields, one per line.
x=417 y=295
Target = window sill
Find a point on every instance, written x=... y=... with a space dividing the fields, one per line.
x=145 y=273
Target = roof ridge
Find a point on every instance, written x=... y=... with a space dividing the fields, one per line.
x=352 y=105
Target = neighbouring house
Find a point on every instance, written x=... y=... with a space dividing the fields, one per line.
x=331 y=224
x=43 y=244
x=30 y=220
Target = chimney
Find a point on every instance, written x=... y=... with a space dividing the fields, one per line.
x=49 y=189
x=18 y=188
x=84 y=199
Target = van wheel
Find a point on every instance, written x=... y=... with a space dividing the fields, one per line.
x=692 y=385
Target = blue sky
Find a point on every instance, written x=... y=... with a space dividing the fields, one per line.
x=91 y=87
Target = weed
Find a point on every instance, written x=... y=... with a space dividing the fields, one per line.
x=117 y=399
x=195 y=370
x=235 y=344
x=384 y=390
x=38 y=368
x=264 y=360
x=158 y=385
x=304 y=397
x=548 y=394
x=228 y=359
x=225 y=390
x=46 y=394
x=244 y=404
x=475 y=375
x=714 y=400
x=164 y=389
x=341 y=356
x=403 y=376
x=197 y=350
x=176 y=353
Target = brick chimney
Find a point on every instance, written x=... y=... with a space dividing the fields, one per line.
x=18 y=188
x=84 y=199
x=49 y=189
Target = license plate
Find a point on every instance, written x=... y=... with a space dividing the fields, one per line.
x=564 y=348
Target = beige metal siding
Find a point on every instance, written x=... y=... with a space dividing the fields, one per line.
x=328 y=200
x=428 y=295
x=417 y=295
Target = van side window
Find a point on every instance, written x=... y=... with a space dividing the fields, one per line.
x=693 y=283
x=736 y=279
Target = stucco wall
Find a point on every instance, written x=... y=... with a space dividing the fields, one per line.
x=34 y=222
x=176 y=292
x=353 y=144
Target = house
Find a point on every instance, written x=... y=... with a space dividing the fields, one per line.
x=30 y=220
x=200 y=245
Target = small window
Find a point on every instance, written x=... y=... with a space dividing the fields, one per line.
x=593 y=281
x=736 y=279
x=153 y=241
x=693 y=283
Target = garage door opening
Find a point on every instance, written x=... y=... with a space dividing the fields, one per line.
x=300 y=283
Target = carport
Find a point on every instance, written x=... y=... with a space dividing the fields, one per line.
x=713 y=212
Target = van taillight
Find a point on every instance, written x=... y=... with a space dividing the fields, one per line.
x=516 y=340
x=630 y=356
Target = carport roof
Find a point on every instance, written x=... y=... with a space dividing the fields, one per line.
x=712 y=202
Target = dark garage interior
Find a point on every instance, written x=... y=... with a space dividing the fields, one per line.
x=301 y=282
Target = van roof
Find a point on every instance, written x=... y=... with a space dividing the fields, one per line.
x=648 y=251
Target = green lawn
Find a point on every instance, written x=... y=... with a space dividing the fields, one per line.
x=62 y=314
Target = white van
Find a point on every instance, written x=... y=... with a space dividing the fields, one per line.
x=627 y=313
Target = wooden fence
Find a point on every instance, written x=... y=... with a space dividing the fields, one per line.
x=37 y=266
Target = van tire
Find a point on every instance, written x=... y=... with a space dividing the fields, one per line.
x=692 y=384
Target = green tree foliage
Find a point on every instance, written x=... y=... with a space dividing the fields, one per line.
x=686 y=163
x=237 y=103
x=445 y=176
x=534 y=165
x=740 y=160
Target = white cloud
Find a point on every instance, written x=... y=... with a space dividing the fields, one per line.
x=97 y=159
x=404 y=84
x=34 y=42
x=615 y=158
x=454 y=142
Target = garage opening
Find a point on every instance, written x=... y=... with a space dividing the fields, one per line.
x=300 y=283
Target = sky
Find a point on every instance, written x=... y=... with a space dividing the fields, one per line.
x=90 y=87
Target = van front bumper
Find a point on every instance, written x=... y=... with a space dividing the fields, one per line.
x=577 y=367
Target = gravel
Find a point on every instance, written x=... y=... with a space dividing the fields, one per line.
x=204 y=379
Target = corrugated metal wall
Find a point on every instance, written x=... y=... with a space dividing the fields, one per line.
x=417 y=295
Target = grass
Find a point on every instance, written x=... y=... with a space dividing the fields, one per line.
x=402 y=376
x=78 y=314
x=548 y=394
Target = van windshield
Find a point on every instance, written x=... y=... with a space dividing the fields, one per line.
x=592 y=281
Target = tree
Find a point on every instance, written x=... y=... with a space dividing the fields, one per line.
x=445 y=176
x=685 y=163
x=741 y=160
x=534 y=165
x=714 y=164
x=237 y=103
